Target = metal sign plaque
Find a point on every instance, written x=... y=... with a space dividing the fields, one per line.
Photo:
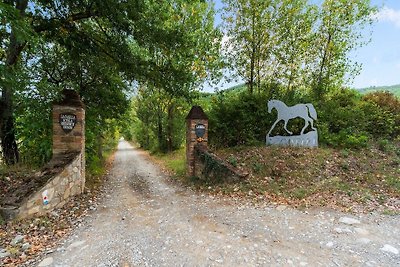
x=200 y=130
x=67 y=121
x=285 y=113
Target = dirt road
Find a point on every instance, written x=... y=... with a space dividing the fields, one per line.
x=145 y=221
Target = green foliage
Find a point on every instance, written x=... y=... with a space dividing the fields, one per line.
x=341 y=28
x=232 y=160
x=160 y=107
x=34 y=126
x=389 y=115
x=295 y=43
x=237 y=119
x=345 y=118
x=384 y=145
x=100 y=49
x=160 y=124
x=174 y=161
x=394 y=182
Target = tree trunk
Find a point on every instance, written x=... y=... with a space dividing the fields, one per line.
x=170 y=127
x=320 y=83
x=160 y=131
x=7 y=129
x=253 y=55
x=100 y=147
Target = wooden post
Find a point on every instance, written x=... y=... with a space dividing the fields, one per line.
x=196 y=133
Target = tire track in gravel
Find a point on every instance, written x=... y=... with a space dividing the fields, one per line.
x=145 y=221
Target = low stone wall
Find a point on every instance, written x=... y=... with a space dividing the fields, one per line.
x=62 y=178
x=209 y=166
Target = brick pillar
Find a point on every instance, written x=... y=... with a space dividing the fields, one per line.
x=196 y=133
x=69 y=128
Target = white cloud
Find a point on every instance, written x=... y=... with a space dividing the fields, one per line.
x=389 y=15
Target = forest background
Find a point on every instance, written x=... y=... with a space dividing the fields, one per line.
x=139 y=67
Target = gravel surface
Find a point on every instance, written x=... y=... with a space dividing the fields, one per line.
x=144 y=220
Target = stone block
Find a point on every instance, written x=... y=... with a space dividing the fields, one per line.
x=63 y=181
x=61 y=204
x=67 y=193
x=76 y=190
x=33 y=210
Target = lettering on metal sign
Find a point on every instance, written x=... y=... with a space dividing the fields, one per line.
x=200 y=130
x=67 y=121
x=305 y=111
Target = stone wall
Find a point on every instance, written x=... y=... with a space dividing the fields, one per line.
x=199 y=161
x=64 y=176
x=210 y=167
x=69 y=182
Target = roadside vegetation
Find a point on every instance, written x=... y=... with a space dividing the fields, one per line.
x=139 y=66
x=355 y=168
x=107 y=51
x=140 y=84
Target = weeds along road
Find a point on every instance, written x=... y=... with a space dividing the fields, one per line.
x=143 y=220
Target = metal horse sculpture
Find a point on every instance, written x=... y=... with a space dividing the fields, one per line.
x=304 y=111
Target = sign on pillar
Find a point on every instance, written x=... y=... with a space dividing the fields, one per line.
x=69 y=128
x=196 y=133
x=68 y=124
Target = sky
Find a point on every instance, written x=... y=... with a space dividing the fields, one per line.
x=380 y=59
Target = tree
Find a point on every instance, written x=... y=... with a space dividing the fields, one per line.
x=293 y=43
x=339 y=31
x=160 y=107
x=123 y=33
x=250 y=30
x=12 y=43
x=295 y=32
x=160 y=125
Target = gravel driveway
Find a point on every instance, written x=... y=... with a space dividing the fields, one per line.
x=143 y=220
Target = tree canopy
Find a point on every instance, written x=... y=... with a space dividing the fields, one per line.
x=100 y=49
x=295 y=42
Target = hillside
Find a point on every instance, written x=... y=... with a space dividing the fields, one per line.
x=395 y=89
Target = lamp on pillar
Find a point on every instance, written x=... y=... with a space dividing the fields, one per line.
x=196 y=133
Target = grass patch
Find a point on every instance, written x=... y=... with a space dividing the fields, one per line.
x=174 y=162
x=96 y=169
x=390 y=212
x=394 y=182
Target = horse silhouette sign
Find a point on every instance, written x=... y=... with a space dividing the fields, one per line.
x=305 y=111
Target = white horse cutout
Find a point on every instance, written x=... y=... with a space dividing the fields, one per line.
x=304 y=111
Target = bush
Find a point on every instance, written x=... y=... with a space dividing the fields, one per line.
x=345 y=118
x=389 y=113
x=238 y=119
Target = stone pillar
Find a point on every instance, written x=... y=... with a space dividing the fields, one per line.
x=196 y=133
x=69 y=128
